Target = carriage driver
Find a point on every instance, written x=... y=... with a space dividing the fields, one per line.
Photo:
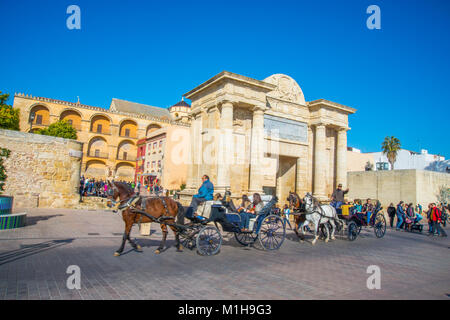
x=338 y=196
x=205 y=193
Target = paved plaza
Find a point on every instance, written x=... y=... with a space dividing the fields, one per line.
x=34 y=260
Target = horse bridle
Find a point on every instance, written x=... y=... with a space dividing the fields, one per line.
x=110 y=193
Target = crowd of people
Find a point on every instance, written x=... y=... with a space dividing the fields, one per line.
x=408 y=214
x=98 y=187
x=93 y=187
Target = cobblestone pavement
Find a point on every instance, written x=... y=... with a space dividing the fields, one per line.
x=34 y=260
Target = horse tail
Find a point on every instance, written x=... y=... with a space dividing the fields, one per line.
x=180 y=213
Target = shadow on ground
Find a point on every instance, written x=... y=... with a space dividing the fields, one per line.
x=28 y=250
x=34 y=220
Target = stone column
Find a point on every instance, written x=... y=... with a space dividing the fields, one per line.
x=226 y=150
x=341 y=157
x=195 y=155
x=302 y=172
x=257 y=151
x=320 y=161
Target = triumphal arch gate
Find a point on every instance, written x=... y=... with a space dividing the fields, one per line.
x=262 y=136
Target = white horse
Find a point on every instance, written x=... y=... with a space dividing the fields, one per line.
x=319 y=214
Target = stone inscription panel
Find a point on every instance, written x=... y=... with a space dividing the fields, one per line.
x=287 y=129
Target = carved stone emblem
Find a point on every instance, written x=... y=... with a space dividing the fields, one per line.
x=287 y=89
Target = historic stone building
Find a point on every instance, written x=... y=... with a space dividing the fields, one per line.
x=109 y=135
x=262 y=136
x=248 y=135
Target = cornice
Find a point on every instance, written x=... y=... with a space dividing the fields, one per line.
x=98 y=109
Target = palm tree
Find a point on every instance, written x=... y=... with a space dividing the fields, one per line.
x=390 y=147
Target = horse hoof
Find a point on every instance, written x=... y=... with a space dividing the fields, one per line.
x=116 y=254
x=139 y=248
x=157 y=251
x=333 y=238
x=179 y=250
x=326 y=240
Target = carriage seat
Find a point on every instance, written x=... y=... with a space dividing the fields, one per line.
x=204 y=209
x=264 y=197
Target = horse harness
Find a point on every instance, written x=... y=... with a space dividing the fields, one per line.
x=138 y=200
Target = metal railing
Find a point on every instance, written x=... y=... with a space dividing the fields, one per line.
x=126 y=157
x=103 y=155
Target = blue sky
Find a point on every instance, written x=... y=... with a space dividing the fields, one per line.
x=152 y=52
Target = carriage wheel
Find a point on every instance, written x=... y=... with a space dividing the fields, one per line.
x=209 y=241
x=352 y=230
x=272 y=233
x=187 y=240
x=380 y=225
x=245 y=238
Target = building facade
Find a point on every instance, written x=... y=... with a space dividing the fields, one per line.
x=405 y=160
x=164 y=157
x=262 y=136
x=109 y=136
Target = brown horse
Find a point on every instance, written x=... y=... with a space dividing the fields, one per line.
x=295 y=203
x=155 y=207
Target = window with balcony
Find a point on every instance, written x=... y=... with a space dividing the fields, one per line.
x=39 y=119
x=127 y=132
x=99 y=128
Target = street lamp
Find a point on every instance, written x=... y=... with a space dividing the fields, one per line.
x=32 y=116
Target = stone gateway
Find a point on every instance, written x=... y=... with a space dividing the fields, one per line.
x=262 y=136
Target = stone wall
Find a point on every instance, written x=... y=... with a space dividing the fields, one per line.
x=416 y=186
x=42 y=171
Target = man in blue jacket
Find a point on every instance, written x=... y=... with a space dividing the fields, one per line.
x=205 y=193
x=400 y=215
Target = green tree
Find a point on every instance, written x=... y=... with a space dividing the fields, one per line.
x=9 y=117
x=61 y=129
x=391 y=146
x=4 y=153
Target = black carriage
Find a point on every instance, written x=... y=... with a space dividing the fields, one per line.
x=203 y=233
x=355 y=221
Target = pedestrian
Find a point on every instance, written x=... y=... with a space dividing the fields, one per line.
x=391 y=213
x=400 y=216
x=287 y=212
x=436 y=217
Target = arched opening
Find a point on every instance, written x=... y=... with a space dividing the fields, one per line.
x=128 y=128
x=98 y=148
x=72 y=117
x=125 y=171
x=41 y=115
x=151 y=128
x=95 y=169
x=126 y=151
x=100 y=124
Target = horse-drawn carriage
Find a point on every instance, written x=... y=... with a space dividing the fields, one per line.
x=355 y=221
x=267 y=228
x=327 y=219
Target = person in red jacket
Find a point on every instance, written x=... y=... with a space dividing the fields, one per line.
x=436 y=217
